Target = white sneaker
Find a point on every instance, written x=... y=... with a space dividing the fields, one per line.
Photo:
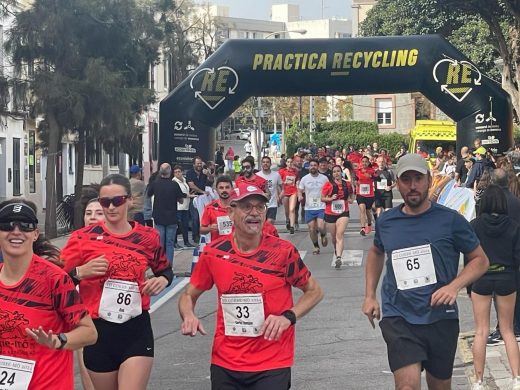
x=477 y=386
x=515 y=383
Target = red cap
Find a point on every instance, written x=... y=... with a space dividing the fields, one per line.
x=244 y=190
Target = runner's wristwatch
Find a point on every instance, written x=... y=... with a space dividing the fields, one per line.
x=63 y=340
x=289 y=314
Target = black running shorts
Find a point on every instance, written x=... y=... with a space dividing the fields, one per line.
x=503 y=283
x=384 y=200
x=118 y=342
x=271 y=213
x=332 y=218
x=224 y=379
x=368 y=202
x=433 y=345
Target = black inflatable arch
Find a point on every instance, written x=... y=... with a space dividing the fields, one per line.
x=243 y=68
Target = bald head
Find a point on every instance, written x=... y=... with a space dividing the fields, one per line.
x=464 y=151
x=165 y=170
x=499 y=177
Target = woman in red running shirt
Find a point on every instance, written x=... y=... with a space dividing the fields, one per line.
x=289 y=194
x=337 y=194
x=42 y=319
x=118 y=298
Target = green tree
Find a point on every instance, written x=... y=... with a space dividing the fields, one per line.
x=92 y=59
x=484 y=30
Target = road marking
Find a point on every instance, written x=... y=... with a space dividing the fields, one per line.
x=350 y=258
x=170 y=294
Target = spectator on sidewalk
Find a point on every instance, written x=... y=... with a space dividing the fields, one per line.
x=167 y=193
x=197 y=181
x=499 y=236
x=183 y=209
x=136 y=212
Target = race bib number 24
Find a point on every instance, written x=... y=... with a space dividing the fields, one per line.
x=15 y=373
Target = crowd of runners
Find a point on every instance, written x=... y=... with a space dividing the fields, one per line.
x=93 y=296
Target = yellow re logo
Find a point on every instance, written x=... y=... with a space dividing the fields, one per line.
x=215 y=85
x=460 y=77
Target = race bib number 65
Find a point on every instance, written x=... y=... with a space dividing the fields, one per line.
x=414 y=267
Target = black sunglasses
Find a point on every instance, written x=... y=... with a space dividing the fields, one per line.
x=115 y=200
x=23 y=226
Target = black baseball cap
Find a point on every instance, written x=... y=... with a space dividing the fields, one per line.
x=18 y=212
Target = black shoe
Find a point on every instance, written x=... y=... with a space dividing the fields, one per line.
x=291 y=230
x=189 y=245
x=338 y=262
x=495 y=338
x=287 y=225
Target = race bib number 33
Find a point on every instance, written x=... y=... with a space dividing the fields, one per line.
x=243 y=314
x=414 y=267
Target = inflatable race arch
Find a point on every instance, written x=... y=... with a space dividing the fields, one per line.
x=242 y=68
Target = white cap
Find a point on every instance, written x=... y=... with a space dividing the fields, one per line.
x=412 y=162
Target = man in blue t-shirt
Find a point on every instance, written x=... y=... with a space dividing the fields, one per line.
x=422 y=242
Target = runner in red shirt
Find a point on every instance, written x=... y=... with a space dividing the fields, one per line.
x=355 y=158
x=254 y=275
x=42 y=319
x=119 y=299
x=249 y=176
x=337 y=194
x=365 y=194
x=215 y=218
x=289 y=194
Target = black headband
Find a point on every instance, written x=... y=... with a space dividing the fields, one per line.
x=17 y=212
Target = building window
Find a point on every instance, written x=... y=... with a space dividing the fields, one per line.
x=384 y=111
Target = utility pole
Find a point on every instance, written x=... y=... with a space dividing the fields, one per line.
x=311 y=117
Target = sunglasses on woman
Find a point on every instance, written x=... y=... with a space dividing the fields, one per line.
x=115 y=200
x=23 y=226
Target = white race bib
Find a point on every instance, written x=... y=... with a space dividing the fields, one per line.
x=381 y=185
x=120 y=301
x=290 y=180
x=364 y=189
x=314 y=203
x=413 y=267
x=243 y=314
x=224 y=224
x=337 y=206
x=15 y=373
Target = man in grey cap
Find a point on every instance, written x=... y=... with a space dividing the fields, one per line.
x=422 y=242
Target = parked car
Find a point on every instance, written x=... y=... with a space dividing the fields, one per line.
x=240 y=134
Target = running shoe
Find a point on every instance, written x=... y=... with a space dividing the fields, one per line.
x=363 y=232
x=287 y=225
x=189 y=245
x=324 y=240
x=368 y=229
x=515 y=383
x=495 y=338
x=477 y=386
x=316 y=250
x=338 y=262
x=291 y=230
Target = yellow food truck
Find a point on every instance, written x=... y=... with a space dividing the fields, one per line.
x=428 y=135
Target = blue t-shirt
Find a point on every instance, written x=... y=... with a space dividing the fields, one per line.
x=448 y=234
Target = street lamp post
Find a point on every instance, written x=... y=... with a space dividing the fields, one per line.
x=301 y=31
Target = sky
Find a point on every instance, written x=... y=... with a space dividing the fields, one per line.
x=309 y=9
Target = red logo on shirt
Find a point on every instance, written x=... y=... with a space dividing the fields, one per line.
x=243 y=283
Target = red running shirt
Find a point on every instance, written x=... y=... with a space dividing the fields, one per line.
x=46 y=297
x=365 y=182
x=128 y=255
x=256 y=180
x=271 y=270
x=209 y=217
x=327 y=191
x=289 y=177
